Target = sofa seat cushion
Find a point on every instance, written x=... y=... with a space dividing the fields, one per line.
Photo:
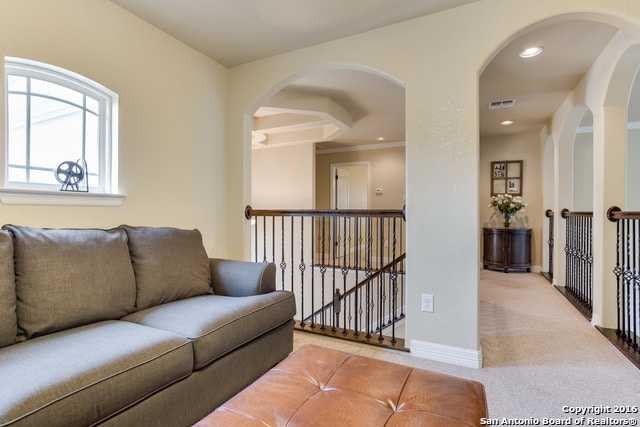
x=169 y=264
x=219 y=324
x=84 y=375
x=8 y=319
x=70 y=277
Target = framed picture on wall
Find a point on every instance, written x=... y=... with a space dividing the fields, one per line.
x=506 y=177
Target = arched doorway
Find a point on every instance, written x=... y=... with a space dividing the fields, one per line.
x=595 y=166
x=341 y=113
x=518 y=96
x=301 y=132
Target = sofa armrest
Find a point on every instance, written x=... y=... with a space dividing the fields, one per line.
x=242 y=278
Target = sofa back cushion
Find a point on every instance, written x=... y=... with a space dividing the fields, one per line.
x=70 y=277
x=8 y=321
x=169 y=264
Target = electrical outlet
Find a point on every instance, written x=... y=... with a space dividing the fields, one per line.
x=427 y=303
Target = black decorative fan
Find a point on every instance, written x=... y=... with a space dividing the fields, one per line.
x=71 y=175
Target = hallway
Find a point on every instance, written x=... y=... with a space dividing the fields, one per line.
x=540 y=354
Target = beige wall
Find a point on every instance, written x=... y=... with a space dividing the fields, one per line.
x=633 y=170
x=582 y=172
x=387 y=171
x=525 y=147
x=172 y=114
x=438 y=58
x=283 y=177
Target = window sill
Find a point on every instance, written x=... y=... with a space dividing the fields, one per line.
x=21 y=196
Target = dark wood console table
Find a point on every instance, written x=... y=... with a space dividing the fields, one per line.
x=507 y=249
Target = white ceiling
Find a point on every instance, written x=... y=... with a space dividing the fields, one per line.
x=542 y=83
x=237 y=31
x=240 y=31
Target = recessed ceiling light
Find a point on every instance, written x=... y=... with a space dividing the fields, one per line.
x=506 y=122
x=381 y=138
x=530 y=52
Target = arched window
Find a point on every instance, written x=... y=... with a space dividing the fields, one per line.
x=55 y=117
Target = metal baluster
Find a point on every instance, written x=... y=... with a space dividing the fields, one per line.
x=618 y=272
x=323 y=270
x=572 y=251
x=273 y=239
x=368 y=274
x=402 y=269
x=624 y=281
x=394 y=283
x=550 y=244
x=569 y=257
x=333 y=279
x=255 y=238
x=264 y=239
x=336 y=308
x=292 y=257
x=629 y=284
x=590 y=262
x=381 y=290
x=345 y=270
x=302 y=267
x=356 y=257
x=634 y=286
x=582 y=259
x=578 y=256
x=313 y=288
x=283 y=263
x=587 y=266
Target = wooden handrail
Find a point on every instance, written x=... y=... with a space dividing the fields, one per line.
x=388 y=213
x=614 y=214
x=565 y=213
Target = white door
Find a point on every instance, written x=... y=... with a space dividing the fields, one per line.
x=342 y=186
x=350 y=191
x=350 y=188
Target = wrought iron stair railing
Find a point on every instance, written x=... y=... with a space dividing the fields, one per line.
x=346 y=268
x=578 y=287
x=627 y=273
x=550 y=243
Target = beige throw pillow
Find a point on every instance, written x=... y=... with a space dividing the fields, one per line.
x=70 y=277
x=169 y=264
x=8 y=320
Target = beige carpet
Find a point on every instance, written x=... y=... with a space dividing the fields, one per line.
x=540 y=355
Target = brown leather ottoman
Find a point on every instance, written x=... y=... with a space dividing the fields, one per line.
x=316 y=386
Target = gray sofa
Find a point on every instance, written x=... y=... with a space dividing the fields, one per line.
x=130 y=326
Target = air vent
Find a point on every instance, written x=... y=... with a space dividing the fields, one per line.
x=507 y=103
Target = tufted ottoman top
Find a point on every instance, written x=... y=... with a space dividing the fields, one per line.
x=316 y=386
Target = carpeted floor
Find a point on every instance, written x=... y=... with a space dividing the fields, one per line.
x=540 y=355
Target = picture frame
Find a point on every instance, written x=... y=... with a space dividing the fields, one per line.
x=506 y=177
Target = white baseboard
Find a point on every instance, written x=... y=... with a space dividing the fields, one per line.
x=447 y=354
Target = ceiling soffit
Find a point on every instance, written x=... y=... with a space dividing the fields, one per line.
x=293 y=117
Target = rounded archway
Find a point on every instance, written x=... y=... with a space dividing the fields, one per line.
x=324 y=113
x=349 y=122
x=519 y=95
x=584 y=128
